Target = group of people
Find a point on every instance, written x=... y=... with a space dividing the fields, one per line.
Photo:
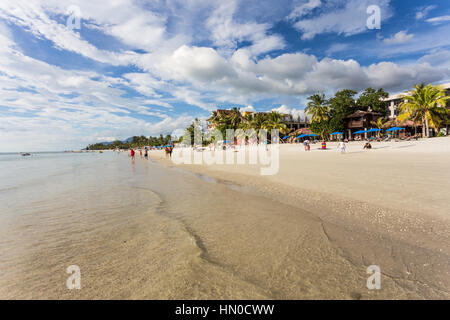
x=133 y=153
x=307 y=145
x=341 y=146
x=168 y=151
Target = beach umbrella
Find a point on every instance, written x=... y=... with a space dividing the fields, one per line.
x=302 y=135
x=337 y=132
x=374 y=130
x=312 y=135
x=285 y=137
x=358 y=132
x=394 y=129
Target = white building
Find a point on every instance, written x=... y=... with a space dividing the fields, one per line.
x=394 y=100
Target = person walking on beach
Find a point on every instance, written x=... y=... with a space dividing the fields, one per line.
x=146 y=154
x=140 y=153
x=307 y=146
x=132 y=154
x=170 y=151
x=341 y=146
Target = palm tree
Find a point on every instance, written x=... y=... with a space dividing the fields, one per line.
x=380 y=123
x=425 y=104
x=258 y=121
x=215 y=117
x=234 y=118
x=273 y=121
x=318 y=108
x=246 y=122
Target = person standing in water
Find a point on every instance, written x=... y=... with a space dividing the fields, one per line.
x=146 y=153
x=132 y=154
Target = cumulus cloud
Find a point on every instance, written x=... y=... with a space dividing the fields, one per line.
x=248 y=109
x=296 y=113
x=200 y=63
x=399 y=37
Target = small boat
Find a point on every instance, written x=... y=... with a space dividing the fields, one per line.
x=24 y=154
x=100 y=151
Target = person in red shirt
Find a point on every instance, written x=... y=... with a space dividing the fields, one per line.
x=132 y=154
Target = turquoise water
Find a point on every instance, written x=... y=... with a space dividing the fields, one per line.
x=136 y=229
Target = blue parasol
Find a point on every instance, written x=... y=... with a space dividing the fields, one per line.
x=394 y=129
x=337 y=132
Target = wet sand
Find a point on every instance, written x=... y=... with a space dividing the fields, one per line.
x=388 y=207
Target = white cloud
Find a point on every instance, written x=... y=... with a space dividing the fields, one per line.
x=248 y=109
x=399 y=37
x=226 y=32
x=349 y=20
x=32 y=16
x=296 y=113
x=336 y=47
x=422 y=12
x=440 y=19
x=304 y=8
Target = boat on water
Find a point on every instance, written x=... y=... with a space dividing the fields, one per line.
x=24 y=154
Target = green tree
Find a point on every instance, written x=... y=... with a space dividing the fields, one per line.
x=425 y=104
x=273 y=121
x=318 y=108
x=373 y=99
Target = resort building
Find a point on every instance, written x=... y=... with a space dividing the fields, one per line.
x=294 y=123
x=394 y=101
x=359 y=121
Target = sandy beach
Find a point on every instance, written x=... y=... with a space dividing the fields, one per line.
x=387 y=206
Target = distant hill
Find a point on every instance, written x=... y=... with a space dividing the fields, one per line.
x=123 y=141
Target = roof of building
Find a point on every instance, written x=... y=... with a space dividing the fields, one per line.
x=401 y=95
x=361 y=113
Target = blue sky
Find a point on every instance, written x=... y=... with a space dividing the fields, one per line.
x=151 y=67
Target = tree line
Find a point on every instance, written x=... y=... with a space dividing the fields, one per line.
x=134 y=142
